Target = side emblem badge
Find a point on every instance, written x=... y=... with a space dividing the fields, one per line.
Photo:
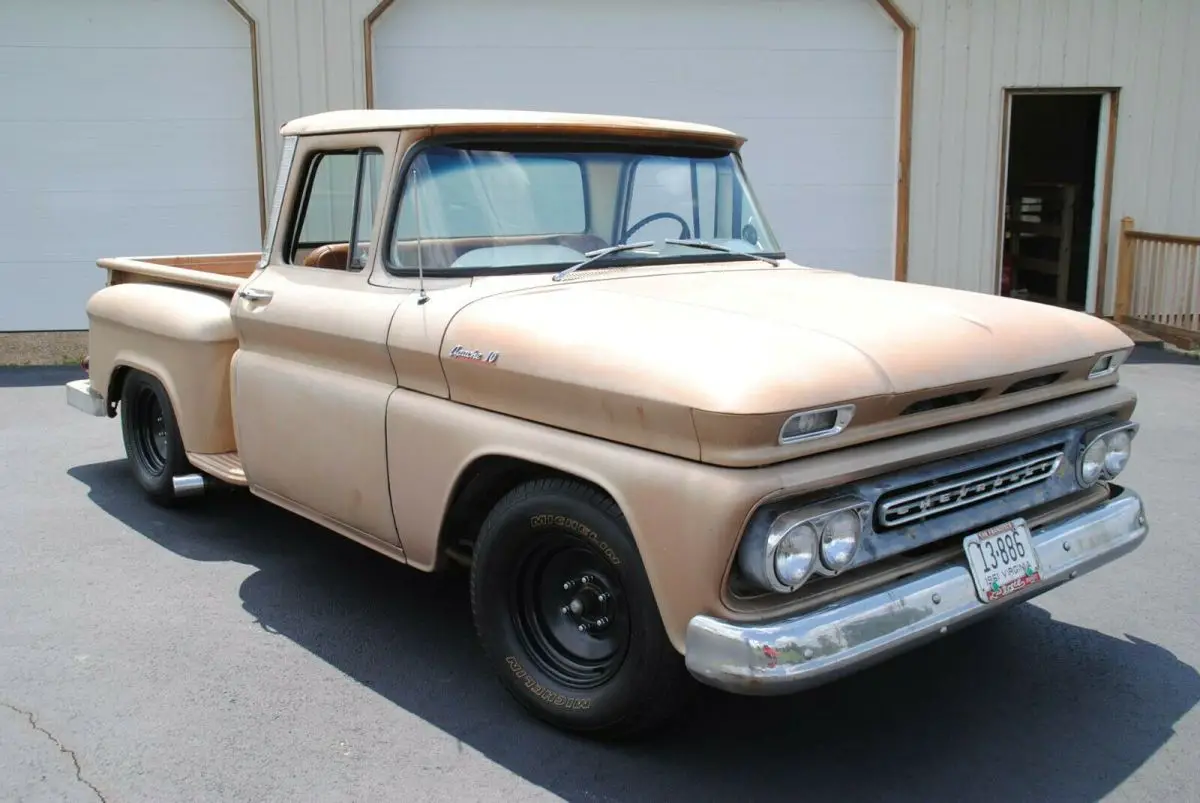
x=464 y=353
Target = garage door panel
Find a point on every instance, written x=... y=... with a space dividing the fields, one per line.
x=130 y=84
x=842 y=152
x=133 y=127
x=819 y=216
x=124 y=156
x=795 y=85
x=812 y=83
x=664 y=25
x=60 y=226
x=75 y=25
x=833 y=226
x=53 y=295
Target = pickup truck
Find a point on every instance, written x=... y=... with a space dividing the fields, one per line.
x=567 y=352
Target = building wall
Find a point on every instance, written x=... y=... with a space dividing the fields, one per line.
x=311 y=58
x=968 y=52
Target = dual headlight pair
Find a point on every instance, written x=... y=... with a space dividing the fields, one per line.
x=822 y=538
x=1105 y=453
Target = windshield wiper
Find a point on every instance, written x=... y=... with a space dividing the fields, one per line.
x=599 y=253
x=723 y=248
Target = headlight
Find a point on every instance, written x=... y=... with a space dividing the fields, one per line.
x=839 y=540
x=1120 y=446
x=781 y=553
x=795 y=555
x=1105 y=454
x=1091 y=465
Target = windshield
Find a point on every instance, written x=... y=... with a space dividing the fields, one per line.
x=541 y=208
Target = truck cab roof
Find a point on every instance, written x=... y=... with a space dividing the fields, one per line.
x=348 y=120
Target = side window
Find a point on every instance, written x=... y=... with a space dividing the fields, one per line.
x=682 y=188
x=337 y=210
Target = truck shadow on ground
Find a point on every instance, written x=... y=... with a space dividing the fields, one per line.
x=39 y=376
x=1020 y=707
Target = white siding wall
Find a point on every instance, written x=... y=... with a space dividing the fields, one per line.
x=968 y=52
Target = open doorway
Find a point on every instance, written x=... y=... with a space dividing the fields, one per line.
x=1054 y=210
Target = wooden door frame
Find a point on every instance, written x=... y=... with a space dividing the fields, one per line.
x=1102 y=192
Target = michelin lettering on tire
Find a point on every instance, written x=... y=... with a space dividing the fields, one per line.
x=571 y=525
x=541 y=692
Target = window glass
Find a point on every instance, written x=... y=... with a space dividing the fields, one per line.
x=662 y=186
x=531 y=207
x=461 y=193
x=372 y=177
x=328 y=221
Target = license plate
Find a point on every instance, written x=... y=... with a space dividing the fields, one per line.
x=1002 y=560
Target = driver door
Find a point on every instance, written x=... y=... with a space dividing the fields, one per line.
x=312 y=375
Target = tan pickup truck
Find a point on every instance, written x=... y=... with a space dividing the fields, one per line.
x=567 y=351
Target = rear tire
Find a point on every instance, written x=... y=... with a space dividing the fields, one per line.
x=566 y=616
x=153 y=444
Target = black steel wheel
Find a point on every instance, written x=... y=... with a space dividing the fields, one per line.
x=152 y=441
x=566 y=616
x=569 y=611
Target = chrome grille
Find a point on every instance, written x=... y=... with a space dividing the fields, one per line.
x=912 y=504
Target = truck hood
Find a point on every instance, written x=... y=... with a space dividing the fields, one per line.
x=657 y=359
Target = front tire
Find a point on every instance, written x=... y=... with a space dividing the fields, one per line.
x=566 y=616
x=151 y=434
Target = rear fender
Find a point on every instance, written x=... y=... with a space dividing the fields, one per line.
x=184 y=337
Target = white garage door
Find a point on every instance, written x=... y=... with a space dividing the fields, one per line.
x=126 y=128
x=813 y=84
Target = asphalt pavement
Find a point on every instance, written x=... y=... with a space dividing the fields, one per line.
x=232 y=651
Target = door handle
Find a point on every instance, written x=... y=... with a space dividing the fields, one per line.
x=251 y=294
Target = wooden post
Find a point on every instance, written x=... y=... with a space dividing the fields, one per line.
x=1124 y=271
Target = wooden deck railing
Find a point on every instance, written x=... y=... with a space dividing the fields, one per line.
x=1158 y=284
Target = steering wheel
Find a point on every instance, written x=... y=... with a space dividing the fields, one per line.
x=686 y=234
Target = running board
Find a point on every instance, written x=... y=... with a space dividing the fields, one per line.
x=226 y=466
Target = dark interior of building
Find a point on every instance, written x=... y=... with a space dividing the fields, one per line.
x=1050 y=195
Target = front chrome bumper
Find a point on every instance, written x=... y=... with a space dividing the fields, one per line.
x=81 y=396
x=789 y=655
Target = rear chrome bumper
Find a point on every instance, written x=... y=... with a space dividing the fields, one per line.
x=788 y=655
x=81 y=396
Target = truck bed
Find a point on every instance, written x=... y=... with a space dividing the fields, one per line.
x=221 y=272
